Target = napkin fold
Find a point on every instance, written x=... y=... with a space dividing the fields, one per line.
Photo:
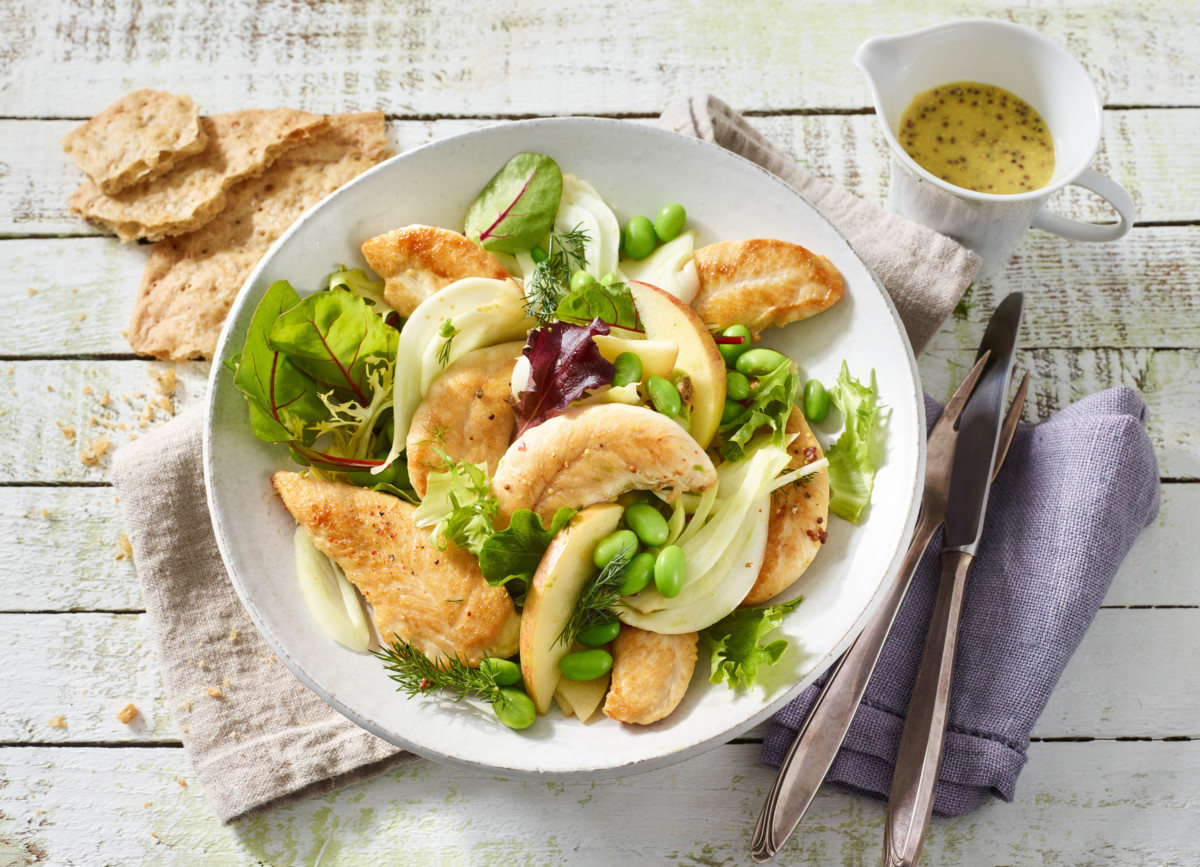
x=1074 y=493
x=257 y=737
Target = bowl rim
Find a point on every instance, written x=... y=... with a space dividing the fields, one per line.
x=636 y=765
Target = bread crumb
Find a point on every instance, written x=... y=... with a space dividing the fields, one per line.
x=233 y=635
x=182 y=782
x=225 y=683
x=201 y=664
x=147 y=803
x=90 y=457
x=57 y=722
x=165 y=380
x=87 y=389
x=68 y=432
x=124 y=549
x=31 y=291
x=45 y=513
x=105 y=400
x=185 y=705
x=128 y=713
x=215 y=692
x=82 y=316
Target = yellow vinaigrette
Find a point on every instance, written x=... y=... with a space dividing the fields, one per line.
x=978 y=137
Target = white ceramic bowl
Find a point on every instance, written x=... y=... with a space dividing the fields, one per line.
x=637 y=168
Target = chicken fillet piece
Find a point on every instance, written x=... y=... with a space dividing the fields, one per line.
x=417 y=261
x=650 y=674
x=594 y=454
x=436 y=600
x=799 y=518
x=762 y=283
x=466 y=413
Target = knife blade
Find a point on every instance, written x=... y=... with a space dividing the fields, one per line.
x=918 y=761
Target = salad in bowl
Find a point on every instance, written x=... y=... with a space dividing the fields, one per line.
x=553 y=457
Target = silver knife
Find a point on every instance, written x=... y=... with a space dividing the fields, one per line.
x=918 y=762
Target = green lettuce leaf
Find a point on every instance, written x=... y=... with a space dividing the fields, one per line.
x=518 y=206
x=516 y=552
x=851 y=471
x=770 y=407
x=735 y=642
x=458 y=504
x=356 y=282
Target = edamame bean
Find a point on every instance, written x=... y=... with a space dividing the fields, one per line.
x=664 y=396
x=608 y=279
x=612 y=545
x=648 y=523
x=537 y=254
x=816 y=401
x=586 y=664
x=505 y=671
x=731 y=411
x=669 y=571
x=580 y=279
x=598 y=633
x=638 y=574
x=737 y=386
x=669 y=222
x=515 y=709
x=732 y=351
x=629 y=369
x=760 y=362
x=639 y=238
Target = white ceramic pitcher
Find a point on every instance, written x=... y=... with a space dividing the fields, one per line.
x=1029 y=65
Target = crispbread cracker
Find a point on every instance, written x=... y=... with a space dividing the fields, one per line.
x=190 y=282
x=136 y=139
x=241 y=145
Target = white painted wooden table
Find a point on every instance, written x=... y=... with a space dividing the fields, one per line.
x=1114 y=773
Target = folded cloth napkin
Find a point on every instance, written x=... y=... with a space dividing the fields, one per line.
x=257 y=737
x=1074 y=493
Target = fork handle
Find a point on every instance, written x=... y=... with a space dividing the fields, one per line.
x=910 y=804
x=816 y=744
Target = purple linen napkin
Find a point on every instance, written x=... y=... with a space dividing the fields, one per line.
x=1075 y=492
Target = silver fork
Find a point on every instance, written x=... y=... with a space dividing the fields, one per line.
x=812 y=752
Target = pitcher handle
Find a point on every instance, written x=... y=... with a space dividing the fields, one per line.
x=1105 y=188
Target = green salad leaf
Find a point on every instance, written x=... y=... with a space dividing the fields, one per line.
x=612 y=304
x=851 y=470
x=356 y=282
x=514 y=554
x=736 y=643
x=770 y=405
x=518 y=205
x=458 y=504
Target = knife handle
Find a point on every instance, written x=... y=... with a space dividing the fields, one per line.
x=910 y=804
x=816 y=744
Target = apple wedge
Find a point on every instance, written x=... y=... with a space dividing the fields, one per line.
x=657 y=356
x=665 y=317
x=553 y=594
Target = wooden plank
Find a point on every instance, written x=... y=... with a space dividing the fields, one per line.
x=86 y=667
x=1160 y=568
x=506 y=58
x=1145 y=150
x=60 y=550
x=1076 y=803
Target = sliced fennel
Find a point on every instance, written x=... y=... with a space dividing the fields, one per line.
x=582 y=207
x=330 y=597
x=671 y=268
x=484 y=312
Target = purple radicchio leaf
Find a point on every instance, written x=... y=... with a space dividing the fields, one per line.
x=564 y=363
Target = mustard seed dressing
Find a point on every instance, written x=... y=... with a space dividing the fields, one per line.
x=978 y=137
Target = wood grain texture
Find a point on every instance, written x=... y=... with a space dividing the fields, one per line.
x=413 y=58
x=1113 y=803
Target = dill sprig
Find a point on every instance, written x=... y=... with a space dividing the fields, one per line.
x=416 y=674
x=447 y=331
x=551 y=278
x=601 y=597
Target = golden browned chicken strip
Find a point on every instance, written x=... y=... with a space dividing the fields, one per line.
x=436 y=600
x=799 y=517
x=762 y=282
x=417 y=261
x=650 y=674
x=466 y=413
x=593 y=455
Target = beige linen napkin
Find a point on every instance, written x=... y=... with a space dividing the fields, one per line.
x=256 y=736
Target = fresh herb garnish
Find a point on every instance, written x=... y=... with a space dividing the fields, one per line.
x=564 y=363
x=735 y=640
x=518 y=205
x=447 y=332
x=416 y=674
x=601 y=597
x=550 y=281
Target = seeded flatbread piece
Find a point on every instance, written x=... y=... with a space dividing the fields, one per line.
x=241 y=145
x=136 y=139
x=190 y=282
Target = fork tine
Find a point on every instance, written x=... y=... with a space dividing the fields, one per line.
x=1009 y=428
x=954 y=407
